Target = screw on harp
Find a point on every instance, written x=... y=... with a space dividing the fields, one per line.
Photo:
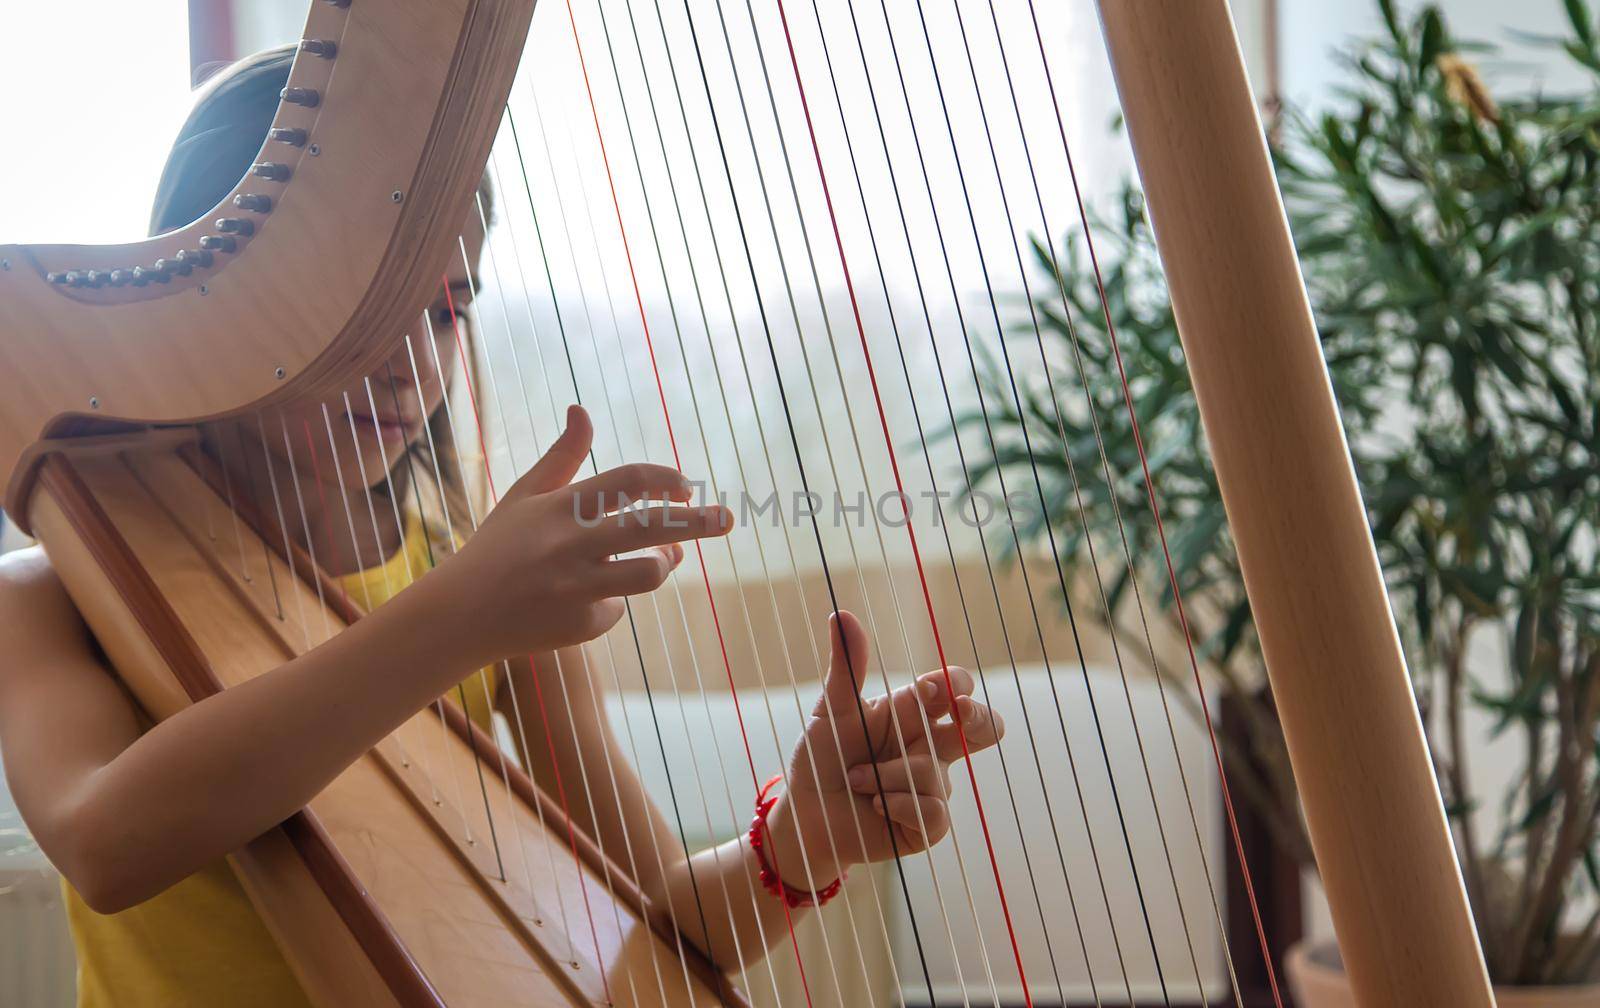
x=217 y=243
x=254 y=202
x=195 y=257
x=235 y=225
x=278 y=373
x=94 y=402
x=272 y=171
x=305 y=97
x=5 y=265
x=292 y=136
x=139 y=276
x=171 y=266
x=397 y=196
x=121 y=277
x=326 y=48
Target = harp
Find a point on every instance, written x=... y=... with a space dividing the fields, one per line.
x=381 y=893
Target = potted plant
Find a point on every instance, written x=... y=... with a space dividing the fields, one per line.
x=1450 y=241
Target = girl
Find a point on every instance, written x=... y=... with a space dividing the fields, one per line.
x=138 y=817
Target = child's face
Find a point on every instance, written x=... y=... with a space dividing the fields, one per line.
x=388 y=411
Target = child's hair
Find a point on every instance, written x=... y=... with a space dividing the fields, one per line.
x=221 y=138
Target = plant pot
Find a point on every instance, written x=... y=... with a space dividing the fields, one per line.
x=1318 y=981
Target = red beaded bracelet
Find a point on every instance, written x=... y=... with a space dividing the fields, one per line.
x=769 y=877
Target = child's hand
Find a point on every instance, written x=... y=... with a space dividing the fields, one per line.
x=541 y=573
x=845 y=786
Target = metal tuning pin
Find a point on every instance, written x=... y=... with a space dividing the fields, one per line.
x=160 y=271
x=94 y=278
x=56 y=278
x=139 y=275
x=326 y=48
x=74 y=278
x=196 y=257
x=337 y=3
x=254 y=202
x=120 y=277
x=291 y=136
x=174 y=265
x=272 y=171
x=304 y=97
x=235 y=225
x=217 y=243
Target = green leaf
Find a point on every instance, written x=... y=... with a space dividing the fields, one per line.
x=1582 y=21
x=1433 y=40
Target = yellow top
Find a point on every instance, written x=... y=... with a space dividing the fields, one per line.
x=200 y=943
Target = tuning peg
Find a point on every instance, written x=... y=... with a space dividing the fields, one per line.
x=235 y=225
x=196 y=257
x=254 y=202
x=305 y=97
x=325 y=48
x=270 y=170
x=217 y=243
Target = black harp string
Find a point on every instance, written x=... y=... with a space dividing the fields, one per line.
x=616 y=437
x=487 y=366
x=1071 y=467
x=677 y=327
x=794 y=442
x=583 y=651
x=744 y=479
x=1022 y=567
x=1159 y=675
x=861 y=468
x=933 y=480
x=561 y=325
x=666 y=416
x=1222 y=776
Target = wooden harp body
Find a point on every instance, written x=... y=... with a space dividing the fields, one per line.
x=371 y=892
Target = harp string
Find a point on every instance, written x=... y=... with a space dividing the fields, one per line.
x=744 y=479
x=477 y=417
x=1072 y=471
x=283 y=529
x=672 y=440
x=566 y=696
x=1155 y=510
x=944 y=528
x=606 y=390
x=250 y=495
x=615 y=428
x=610 y=651
x=861 y=470
x=305 y=526
x=989 y=432
x=560 y=671
x=394 y=504
x=743 y=475
x=1049 y=234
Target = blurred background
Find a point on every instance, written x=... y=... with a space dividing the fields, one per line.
x=1438 y=161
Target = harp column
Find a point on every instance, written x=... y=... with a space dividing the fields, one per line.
x=1338 y=675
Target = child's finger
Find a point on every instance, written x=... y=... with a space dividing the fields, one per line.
x=901 y=809
x=961 y=682
x=979 y=723
x=920 y=773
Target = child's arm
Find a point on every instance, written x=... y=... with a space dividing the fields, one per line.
x=824 y=808
x=124 y=815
